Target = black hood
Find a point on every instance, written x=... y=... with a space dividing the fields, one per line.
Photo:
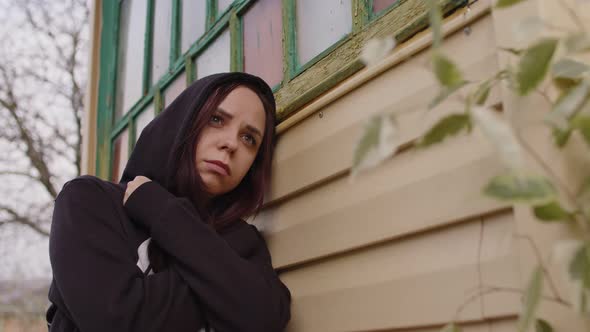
x=152 y=155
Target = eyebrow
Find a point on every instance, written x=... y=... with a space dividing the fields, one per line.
x=250 y=128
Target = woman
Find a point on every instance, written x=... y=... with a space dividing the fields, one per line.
x=166 y=248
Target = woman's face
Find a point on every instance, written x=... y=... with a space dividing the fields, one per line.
x=228 y=145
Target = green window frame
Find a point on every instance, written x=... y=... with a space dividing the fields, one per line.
x=301 y=83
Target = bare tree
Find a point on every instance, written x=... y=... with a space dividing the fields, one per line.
x=43 y=53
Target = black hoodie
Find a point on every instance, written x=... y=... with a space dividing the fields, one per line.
x=101 y=276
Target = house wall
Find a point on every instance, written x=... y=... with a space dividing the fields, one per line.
x=408 y=245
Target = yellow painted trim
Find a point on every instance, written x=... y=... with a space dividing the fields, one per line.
x=453 y=23
x=88 y=146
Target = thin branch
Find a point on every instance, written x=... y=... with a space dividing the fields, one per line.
x=35 y=156
x=543 y=267
x=492 y=289
x=560 y=184
x=19 y=219
x=23 y=174
x=479 y=249
x=545 y=96
x=573 y=15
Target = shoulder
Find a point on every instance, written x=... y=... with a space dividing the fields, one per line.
x=82 y=182
x=87 y=192
x=87 y=202
x=85 y=185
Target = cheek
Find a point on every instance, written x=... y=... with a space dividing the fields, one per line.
x=246 y=163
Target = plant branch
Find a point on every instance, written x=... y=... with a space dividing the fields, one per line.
x=562 y=186
x=479 y=272
x=545 y=96
x=493 y=289
x=573 y=15
x=543 y=267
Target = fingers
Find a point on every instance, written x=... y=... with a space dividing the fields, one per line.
x=132 y=185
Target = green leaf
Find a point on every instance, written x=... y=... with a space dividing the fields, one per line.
x=583 y=196
x=451 y=327
x=580 y=265
x=552 y=212
x=533 y=65
x=447 y=73
x=482 y=92
x=435 y=19
x=583 y=124
x=572 y=100
x=369 y=140
x=447 y=126
x=578 y=42
x=561 y=136
x=531 y=300
x=542 y=325
x=585 y=187
x=564 y=83
x=378 y=142
x=443 y=94
x=507 y=3
x=513 y=51
x=521 y=188
x=569 y=69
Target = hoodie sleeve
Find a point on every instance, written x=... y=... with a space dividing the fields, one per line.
x=239 y=292
x=95 y=272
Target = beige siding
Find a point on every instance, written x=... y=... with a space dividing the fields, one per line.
x=406 y=246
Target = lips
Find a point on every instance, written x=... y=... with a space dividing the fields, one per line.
x=218 y=166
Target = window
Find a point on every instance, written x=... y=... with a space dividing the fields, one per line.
x=130 y=57
x=161 y=43
x=301 y=48
x=143 y=119
x=120 y=155
x=263 y=47
x=321 y=24
x=380 y=5
x=223 y=5
x=174 y=89
x=216 y=58
x=194 y=16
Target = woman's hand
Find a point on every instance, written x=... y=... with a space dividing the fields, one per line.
x=132 y=185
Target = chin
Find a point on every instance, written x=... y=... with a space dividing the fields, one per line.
x=215 y=189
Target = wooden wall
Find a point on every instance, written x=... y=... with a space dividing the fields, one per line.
x=405 y=246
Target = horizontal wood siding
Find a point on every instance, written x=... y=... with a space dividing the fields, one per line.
x=402 y=247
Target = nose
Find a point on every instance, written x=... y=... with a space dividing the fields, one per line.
x=228 y=142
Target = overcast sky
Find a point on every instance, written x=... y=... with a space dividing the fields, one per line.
x=23 y=252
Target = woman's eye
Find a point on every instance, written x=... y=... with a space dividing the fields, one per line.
x=216 y=119
x=250 y=139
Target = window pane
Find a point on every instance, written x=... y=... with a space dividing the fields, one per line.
x=320 y=24
x=161 y=45
x=174 y=89
x=263 y=49
x=130 y=57
x=379 y=5
x=222 y=6
x=193 y=22
x=120 y=155
x=216 y=58
x=143 y=119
